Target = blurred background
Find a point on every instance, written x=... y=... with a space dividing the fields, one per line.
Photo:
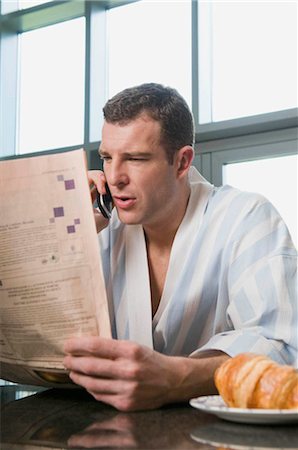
x=235 y=62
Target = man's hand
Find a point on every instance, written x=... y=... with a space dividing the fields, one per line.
x=132 y=377
x=97 y=180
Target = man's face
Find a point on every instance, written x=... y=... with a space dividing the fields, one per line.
x=141 y=180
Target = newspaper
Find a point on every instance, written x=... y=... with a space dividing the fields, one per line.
x=51 y=280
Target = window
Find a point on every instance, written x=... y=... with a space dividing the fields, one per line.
x=61 y=60
x=13 y=5
x=150 y=42
x=248 y=58
x=275 y=178
x=23 y=4
x=52 y=61
x=247 y=97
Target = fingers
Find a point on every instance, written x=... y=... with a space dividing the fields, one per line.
x=93 y=191
x=102 y=347
x=122 y=394
x=104 y=368
x=96 y=385
x=87 y=345
x=98 y=179
x=91 y=366
x=100 y=221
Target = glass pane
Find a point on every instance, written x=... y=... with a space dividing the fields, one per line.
x=150 y=42
x=23 y=4
x=253 y=58
x=8 y=6
x=52 y=87
x=275 y=178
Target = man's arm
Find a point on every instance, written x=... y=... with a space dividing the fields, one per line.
x=131 y=377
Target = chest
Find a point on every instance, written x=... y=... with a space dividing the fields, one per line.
x=158 y=263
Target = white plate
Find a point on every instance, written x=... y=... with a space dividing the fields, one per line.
x=235 y=436
x=232 y=436
x=214 y=404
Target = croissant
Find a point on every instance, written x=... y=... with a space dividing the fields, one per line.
x=255 y=381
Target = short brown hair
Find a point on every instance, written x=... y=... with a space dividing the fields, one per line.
x=163 y=104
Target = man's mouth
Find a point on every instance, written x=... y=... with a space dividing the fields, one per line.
x=124 y=202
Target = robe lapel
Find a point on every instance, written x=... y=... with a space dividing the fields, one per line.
x=200 y=192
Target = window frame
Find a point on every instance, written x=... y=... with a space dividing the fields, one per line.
x=212 y=155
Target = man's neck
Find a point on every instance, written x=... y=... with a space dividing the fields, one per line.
x=162 y=235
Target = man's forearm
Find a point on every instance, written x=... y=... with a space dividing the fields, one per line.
x=195 y=376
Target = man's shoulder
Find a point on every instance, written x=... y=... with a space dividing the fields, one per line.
x=227 y=196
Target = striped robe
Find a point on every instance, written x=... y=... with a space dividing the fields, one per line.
x=230 y=285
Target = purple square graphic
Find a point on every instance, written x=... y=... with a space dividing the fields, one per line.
x=59 y=212
x=77 y=221
x=69 y=184
x=71 y=229
x=60 y=177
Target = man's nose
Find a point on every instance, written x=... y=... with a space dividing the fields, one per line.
x=117 y=174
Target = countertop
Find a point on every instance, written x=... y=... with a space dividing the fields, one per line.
x=32 y=418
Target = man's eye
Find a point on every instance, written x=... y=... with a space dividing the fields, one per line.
x=136 y=158
x=105 y=158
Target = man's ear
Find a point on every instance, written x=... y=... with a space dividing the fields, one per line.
x=184 y=159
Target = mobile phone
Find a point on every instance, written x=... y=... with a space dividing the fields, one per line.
x=105 y=203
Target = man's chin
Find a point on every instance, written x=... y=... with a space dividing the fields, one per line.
x=128 y=219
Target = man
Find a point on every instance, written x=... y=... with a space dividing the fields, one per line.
x=194 y=274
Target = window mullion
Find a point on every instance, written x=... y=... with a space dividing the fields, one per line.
x=98 y=71
x=8 y=90
x=195 y=61
x=204 y=50
x=87 y=75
